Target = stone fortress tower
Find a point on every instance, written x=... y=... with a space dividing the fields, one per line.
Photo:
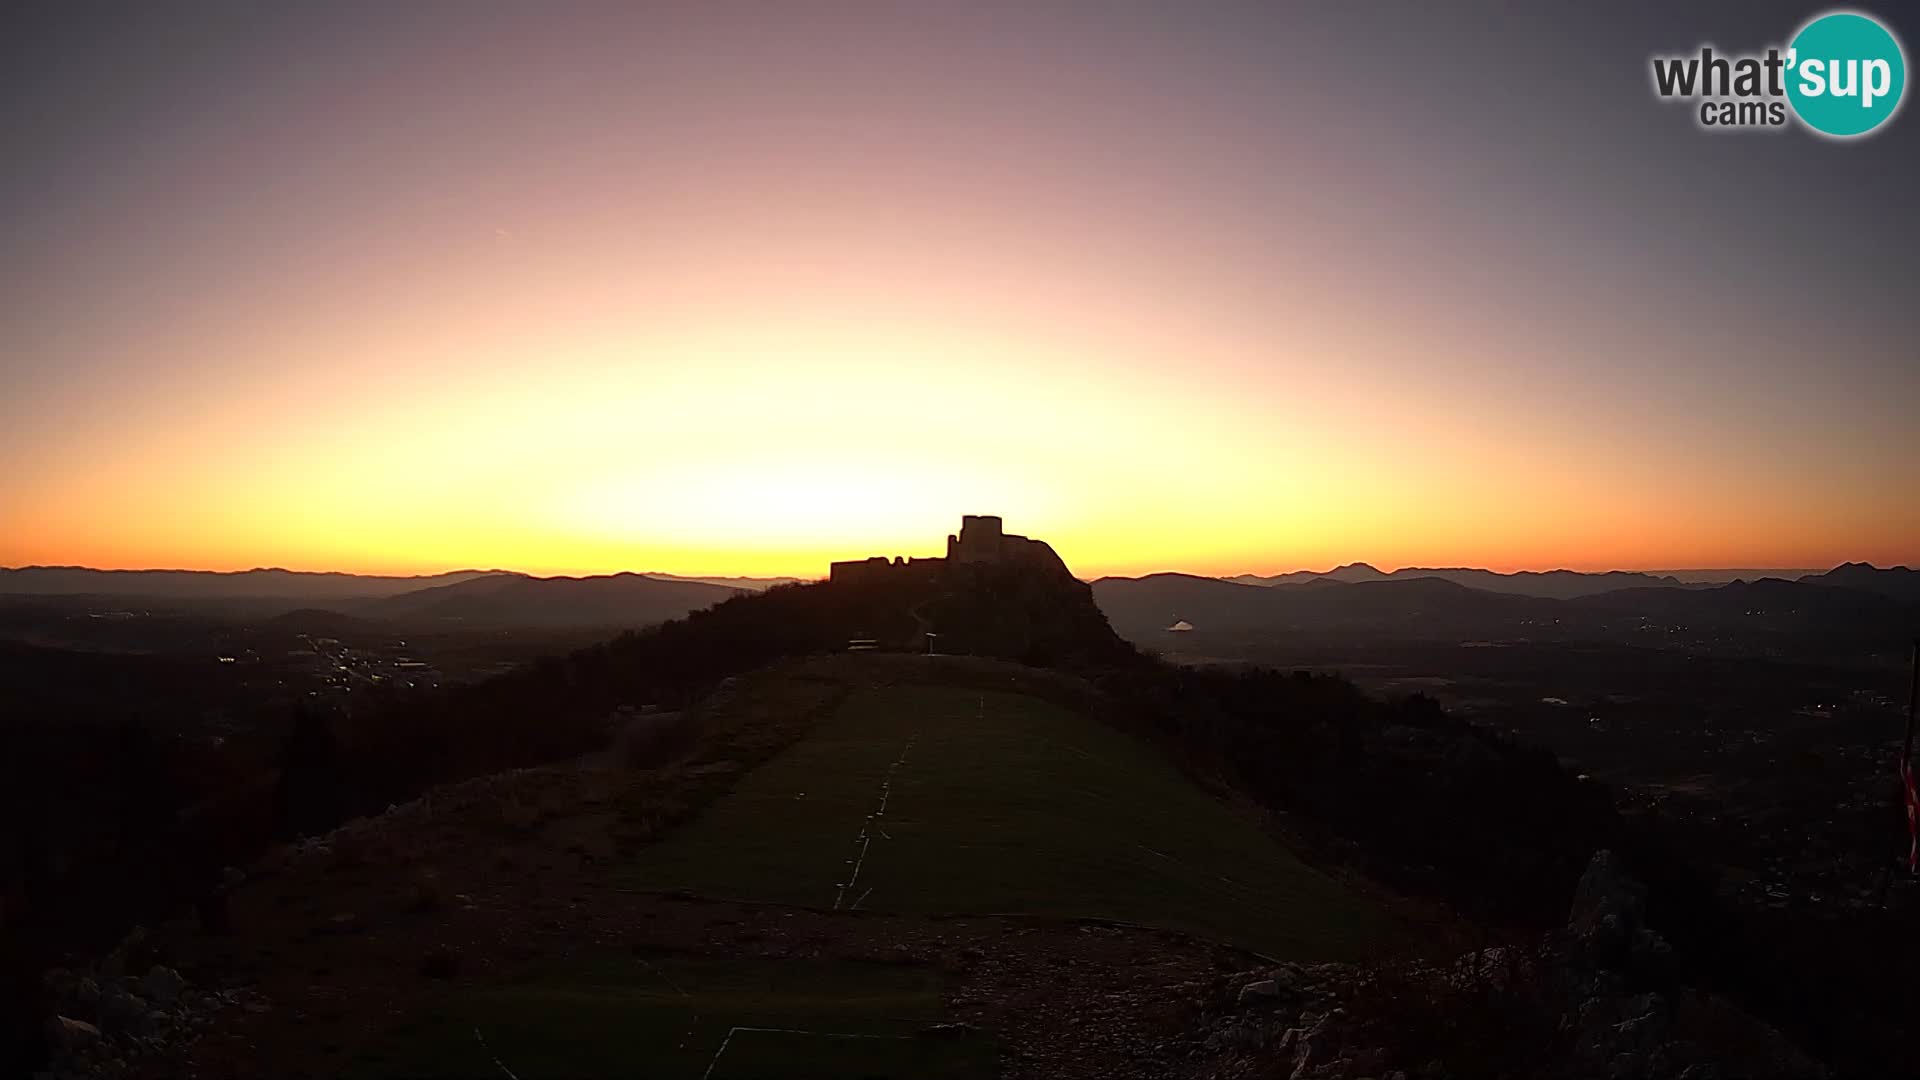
x=981 y=542
x=979 y=539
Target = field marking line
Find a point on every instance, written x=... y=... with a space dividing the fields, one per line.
x=731 y=1032
x=715 y=1063
x=822 y=1034
x=663 y=976
x=488 y=1050
x=693 y=1024
x=865 y=839
x=865 y=843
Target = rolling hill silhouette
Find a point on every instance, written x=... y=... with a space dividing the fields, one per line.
x=261 y=583
x=1899 y=582
x=1554 y=584
x=1436 y=607
x=614 y=600
x=1800 y=601
x=1138 y=605
x=751 y=583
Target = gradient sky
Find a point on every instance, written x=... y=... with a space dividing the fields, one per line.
x=742 y=288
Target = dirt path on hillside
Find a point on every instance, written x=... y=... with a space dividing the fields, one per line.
x=340 y=941
x=336 y=957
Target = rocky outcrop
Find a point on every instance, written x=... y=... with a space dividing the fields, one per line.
x=110 y=1023
x=1624 y=1011
x=1607 y=923
x=1593 y=1000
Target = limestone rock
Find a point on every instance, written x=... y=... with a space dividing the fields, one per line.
x=162 y=985
x=1254 y=991
x=121 y=1011
x=70 y=1035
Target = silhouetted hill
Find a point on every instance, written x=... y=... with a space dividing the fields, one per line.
x=1555 y=584
x=1769 y=598
x=210 y=584
x=1005 y=612
x=1139 y=607
x=1899 y=582
x=1797 y=618
x=1436 y=609
x=1157 y=601
x=1350 y=573
x=1725 y=575
x=615 y=600
x=1800 y=617
x=754 y=584
x=1298 y=577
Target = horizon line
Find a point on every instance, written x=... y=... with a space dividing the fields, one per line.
x=478 y=570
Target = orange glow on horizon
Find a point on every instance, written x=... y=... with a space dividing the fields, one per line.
x=694 y=452
x=689 y=291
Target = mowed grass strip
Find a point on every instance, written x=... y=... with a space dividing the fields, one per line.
x=1005 y=804
x=669 y=1015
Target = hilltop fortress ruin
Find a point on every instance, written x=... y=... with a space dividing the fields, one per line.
x=980 y=543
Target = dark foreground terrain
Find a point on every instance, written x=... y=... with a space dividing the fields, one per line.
x=835 y=882
x=1750 y=730
x=757 y=918
x=1071 y=860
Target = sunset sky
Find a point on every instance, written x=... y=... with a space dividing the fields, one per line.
x=717 y=288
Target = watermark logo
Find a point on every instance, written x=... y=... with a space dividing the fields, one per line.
x=1842 y=75
x=1851 y=74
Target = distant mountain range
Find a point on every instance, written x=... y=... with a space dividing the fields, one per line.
x=519 y=600
x=1143 y=605
x=1557 y=584
x=755 y=584
x=1766 y=598
x=1723 y=576
x=470 y=597
x=1898 y=582
x=1855 y=599
x=1446 y=601
x=214 y=584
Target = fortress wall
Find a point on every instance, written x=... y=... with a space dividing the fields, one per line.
x=879 y=568
x=981 y=541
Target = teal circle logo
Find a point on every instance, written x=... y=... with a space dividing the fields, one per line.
x=1846 y=74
